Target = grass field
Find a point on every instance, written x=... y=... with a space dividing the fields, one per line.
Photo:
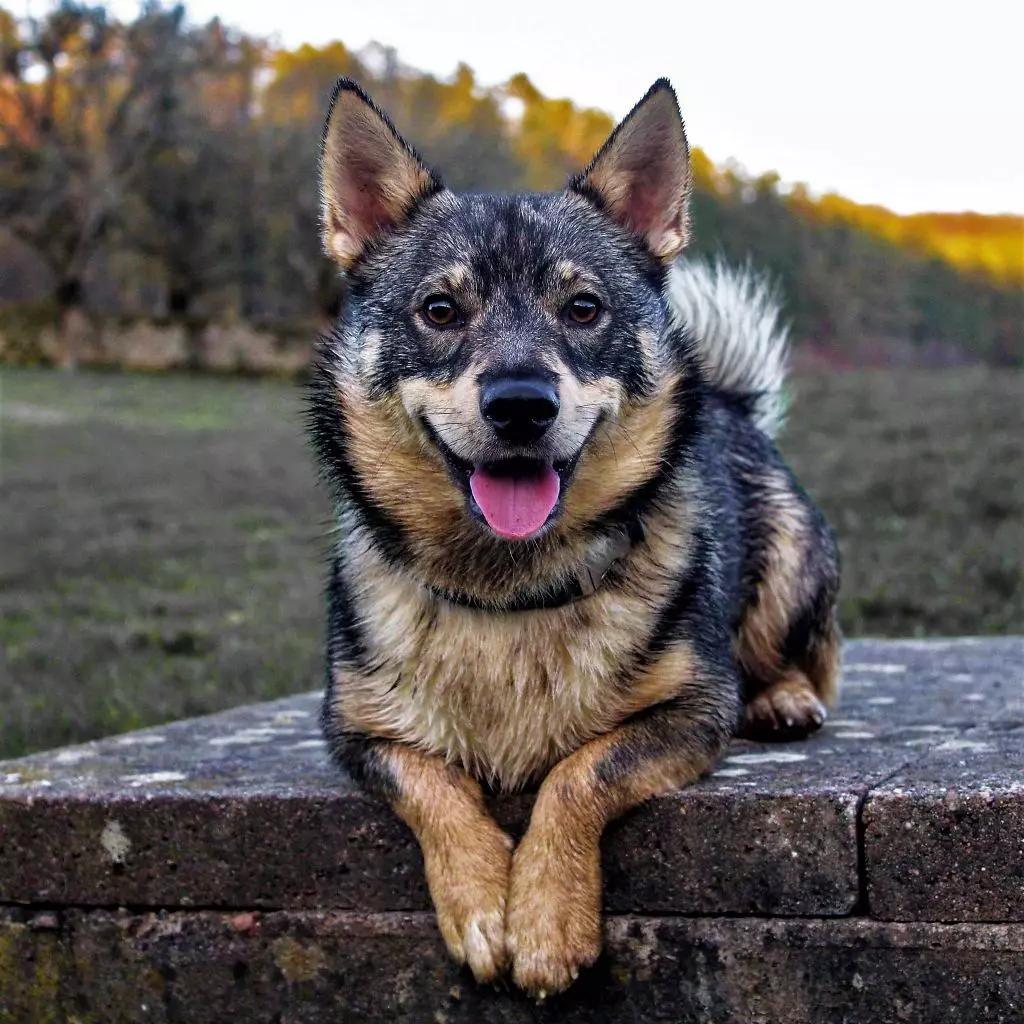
x=161 y=537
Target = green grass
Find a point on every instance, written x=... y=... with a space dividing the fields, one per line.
x=922 y=474
x=161 y=537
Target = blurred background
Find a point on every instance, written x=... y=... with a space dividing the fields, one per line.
x=161 y=284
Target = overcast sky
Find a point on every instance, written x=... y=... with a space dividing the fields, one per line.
x=913 y=104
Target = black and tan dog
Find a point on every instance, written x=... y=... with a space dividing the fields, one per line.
x=568 y=552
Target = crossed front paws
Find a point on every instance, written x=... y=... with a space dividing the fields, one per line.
x=537 y=912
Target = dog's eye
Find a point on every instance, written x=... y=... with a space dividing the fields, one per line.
x=440 y=310
x=583 y=309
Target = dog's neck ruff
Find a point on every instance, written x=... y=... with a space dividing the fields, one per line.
x=583 y=583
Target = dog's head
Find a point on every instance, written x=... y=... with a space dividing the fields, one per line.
x=501 y=368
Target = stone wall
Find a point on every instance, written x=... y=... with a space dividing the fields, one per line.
x=221 y=869
x=40 y=336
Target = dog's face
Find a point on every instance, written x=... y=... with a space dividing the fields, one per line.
x=503 y=351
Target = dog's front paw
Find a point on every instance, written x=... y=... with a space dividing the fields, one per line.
x=554 y=915
x=468 y=878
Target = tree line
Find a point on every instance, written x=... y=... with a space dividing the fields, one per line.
x=163 y=168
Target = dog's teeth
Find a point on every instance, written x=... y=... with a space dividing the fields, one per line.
x=789 y=722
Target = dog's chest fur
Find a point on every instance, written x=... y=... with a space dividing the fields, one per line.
x=504 y=695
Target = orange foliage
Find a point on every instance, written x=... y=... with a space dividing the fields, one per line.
x=551 y=138
x=991 y=244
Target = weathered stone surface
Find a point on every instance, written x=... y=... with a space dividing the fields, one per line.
x=944 y=838
x=242 y=810
x=303 y=966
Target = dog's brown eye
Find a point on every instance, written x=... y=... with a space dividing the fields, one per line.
x=583 y=309
x=440 y=310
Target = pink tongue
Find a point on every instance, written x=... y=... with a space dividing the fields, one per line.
x=515 y=508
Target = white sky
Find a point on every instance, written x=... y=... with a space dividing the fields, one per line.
x=913 y=104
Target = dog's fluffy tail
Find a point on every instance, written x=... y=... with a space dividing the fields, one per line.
x=734 y=318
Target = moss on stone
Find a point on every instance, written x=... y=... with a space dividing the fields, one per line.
x=23 y=330
x=29 y=975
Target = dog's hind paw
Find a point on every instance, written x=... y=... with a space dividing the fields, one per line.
x=786 y=710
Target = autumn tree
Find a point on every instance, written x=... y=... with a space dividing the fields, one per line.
x=184 y=157
x=196 y=205
x=81 y=94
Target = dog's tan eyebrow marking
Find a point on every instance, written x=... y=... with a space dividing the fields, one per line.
x=566 y=272
x=455 y=276
x=566 y=275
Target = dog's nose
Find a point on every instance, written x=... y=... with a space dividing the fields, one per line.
x=520 y=409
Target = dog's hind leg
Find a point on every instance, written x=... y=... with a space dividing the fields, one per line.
x=791 y=699
x=788 y=642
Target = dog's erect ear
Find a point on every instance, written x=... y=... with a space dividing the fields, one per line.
x=641 y=176
x=370 y=177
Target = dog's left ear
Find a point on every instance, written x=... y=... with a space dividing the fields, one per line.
x=641 y=175
x=370 y=177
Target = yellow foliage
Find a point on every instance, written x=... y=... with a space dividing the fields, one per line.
x=993 y=245
x=554 y=138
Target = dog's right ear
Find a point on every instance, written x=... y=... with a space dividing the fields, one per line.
x=370 y=177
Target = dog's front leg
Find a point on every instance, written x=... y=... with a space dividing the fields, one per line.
x=466 y=856
x=554 y=913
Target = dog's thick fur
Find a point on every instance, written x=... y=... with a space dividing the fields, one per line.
x=683 y=588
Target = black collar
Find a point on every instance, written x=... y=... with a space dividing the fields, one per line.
x=583 y=583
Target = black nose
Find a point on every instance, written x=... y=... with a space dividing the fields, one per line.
x=520 y=409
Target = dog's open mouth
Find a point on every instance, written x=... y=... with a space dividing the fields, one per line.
x=516 y=497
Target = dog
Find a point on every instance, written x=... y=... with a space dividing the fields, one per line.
x=568 y=553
